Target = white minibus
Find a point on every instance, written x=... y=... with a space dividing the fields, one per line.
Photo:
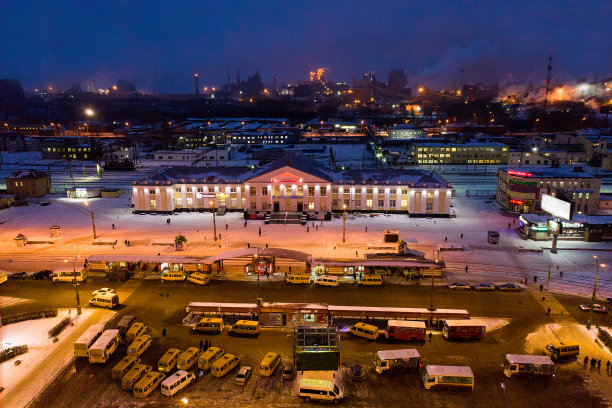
x=104 y=347
x=87 y=339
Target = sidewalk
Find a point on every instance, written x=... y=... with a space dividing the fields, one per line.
x=44 y=359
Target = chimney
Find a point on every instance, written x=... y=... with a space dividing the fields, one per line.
x=275 y=89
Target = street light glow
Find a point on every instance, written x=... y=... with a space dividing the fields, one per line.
x=89 y=112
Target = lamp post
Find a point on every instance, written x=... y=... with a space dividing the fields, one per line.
x=431 y=305
x=211 y=204
x=343 y=222
x=588 y=325
x=76 y=283
x=93 y=223
x=503 y=385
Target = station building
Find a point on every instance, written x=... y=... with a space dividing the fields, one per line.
x=294 y=183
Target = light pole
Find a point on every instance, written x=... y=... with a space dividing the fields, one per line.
x=211 y=204
x=93 y=223
x=588 y=325
x=431 y=305
x=503 y=385
x=76 y=283
x=343 y=222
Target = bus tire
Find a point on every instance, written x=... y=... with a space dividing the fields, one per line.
x=307 y=399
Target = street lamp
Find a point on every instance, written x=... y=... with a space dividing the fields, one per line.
x=344 y=223
x=588 y=325
x=503 y=385
x=211 y=205
x=76 y=283
x=93 y=223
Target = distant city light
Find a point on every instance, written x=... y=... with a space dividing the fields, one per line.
x=89 y=112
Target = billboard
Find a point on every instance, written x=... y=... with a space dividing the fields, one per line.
x=555 y=207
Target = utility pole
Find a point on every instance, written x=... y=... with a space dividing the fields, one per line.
x=93 y=223
x=344 y=223
x=431 y=303
x=76 y=285
x=211 y=203
x=588 y=325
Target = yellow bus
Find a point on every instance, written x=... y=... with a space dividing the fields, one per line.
x=209 y=325
x=448 y=376
x=363 y=330
x=224 y=365
x=123 y=366
x=135 y=330
x=298 y=278
x=188 y=358
x=139 y=346
x=559 y=350
x=371 y=280
x=173 y=276
x=199 y=278
x=168 y=360
x=269 y=364
x=133 y=375
x=209 y=357
x=245 y=328
x=147 y=384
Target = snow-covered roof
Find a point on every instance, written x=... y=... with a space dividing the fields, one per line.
x=528 y=359
x=470 y=322
x=395 y=354
x=551 y=172
x=145 y=258
x=462 y=371
x=28 y=174
x=407 y=323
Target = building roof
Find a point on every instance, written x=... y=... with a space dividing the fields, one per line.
x=550 y=172
x=382 y=177
x=28 y=174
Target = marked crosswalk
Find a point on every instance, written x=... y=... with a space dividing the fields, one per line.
x=550 y=301
x=126 y=290
x=6 y=301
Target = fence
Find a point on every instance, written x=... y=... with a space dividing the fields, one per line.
x=29 y=316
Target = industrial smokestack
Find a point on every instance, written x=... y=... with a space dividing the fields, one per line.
x=275 y=81
x=197 y=85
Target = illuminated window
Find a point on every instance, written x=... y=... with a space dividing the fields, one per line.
x=153 y=204
x=392 y=203
x=178 y=189
x=264 y=191
x=253 y=191
x=369 y=203
x=179 y=201
x=404 y=203
x=311 y=191
x=429 y=207
x=189 y=201
x=381 y=203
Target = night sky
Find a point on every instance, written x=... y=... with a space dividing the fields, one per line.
x=159 y=45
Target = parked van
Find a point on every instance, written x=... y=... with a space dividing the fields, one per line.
x=199 y=278
x=298 y=278
x=493 y=237
x=173 y=276
x=559 y=350
x=319 y=385
x=133 y=375
x=188 y=358
x=268 y=364
x=125 y=323
x=366 y=331
x=326 y=280
x=68 y=276
x=147 y=384
x=371 y=280
x=87 y=339
x=123 y=367
x=520 y=364
x=176 y=382
x=245 y=328
x=224 y=365
x=208 y=357
x=168 y=360
x=139 y=346
x=137 y=329
x=109 y=300
x=209 y=325
x=448 y=376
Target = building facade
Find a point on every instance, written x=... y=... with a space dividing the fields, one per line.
x=294 y=184
x=28 y=183
x=459 y=153
x=521 y=189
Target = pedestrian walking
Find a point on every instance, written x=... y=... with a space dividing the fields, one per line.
x=593 y=362
x=260 y=231
x=245 y=224
x=201 y=344
x=219 y=235
x=266 y=245
x=125 y=242
x=526 y=281
x=307 y=229
x=113 y=225
x=508 y=225
x=560 y=274
x=429 y=336
x=608 y=365
x=598 y=364
x=164 y=332
x=317 y=227
x=586 y=360
x=541 y=287
x=168 y=221
x=366 y=228
x=445 y=239
x=248 y=244
x=321 y=222
x=285 y=275
x=535 y=278
x=462 y=235
x=226 y=226
x=466 y=269
x=548 y=311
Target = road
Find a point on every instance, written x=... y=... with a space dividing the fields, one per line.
x=161 y=305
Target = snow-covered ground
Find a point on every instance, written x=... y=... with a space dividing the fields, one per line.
x=44 y=358
x=496 y=263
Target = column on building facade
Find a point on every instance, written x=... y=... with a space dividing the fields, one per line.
x=317 y=197
x=435 y=203
x=247 y=197
x=147 y=201
x=329 y=197
x=169 y=193
x=363 y=198
x=423 y=201
x=447 y=202
x=293 y=197
x=136 y=198
x=411 y=201
x=228 y=199
x=352 y=198
x=375 y=198
x=387 y=198
x=398 y=199
x=194 y=198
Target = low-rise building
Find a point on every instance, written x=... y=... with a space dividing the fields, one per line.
x=521 y=189
x=405 y=131
x=293 y=183
x=459 y=153
x=28 y=183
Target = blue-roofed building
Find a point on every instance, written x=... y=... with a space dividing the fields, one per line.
x=294 y=183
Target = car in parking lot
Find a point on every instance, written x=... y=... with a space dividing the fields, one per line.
x=243 y=375
x=357 y=373
x=460 y=286
x=509 y=287
x=597 y=308
x=18 y=275
x=485 y=286
x=288 y=372
x=102 y=291
x=43 y=274
x=609 y=301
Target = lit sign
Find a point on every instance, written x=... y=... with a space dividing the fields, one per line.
x=519 y=173
x=516 y=202
x=555 y=207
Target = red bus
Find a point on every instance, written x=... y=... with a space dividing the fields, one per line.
x=463 y=330
x=405 y=330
